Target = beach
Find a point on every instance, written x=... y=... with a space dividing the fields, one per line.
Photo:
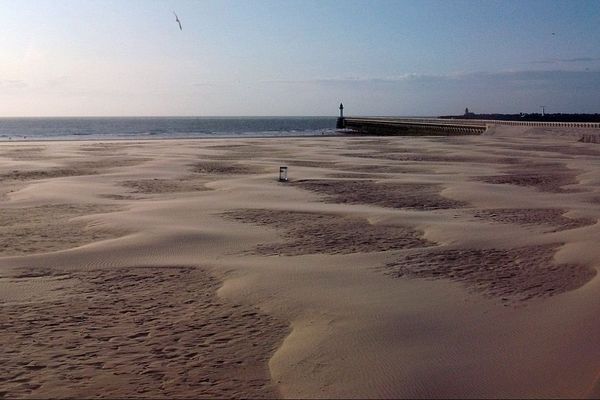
x=460 y=266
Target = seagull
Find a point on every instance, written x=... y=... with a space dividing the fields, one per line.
x=178 y=21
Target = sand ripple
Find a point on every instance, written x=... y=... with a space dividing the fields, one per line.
x=418 y=196
x=26 y=175
x=381 y=168
x=545 y=178
x=512 y=275
x=23 y=152
x=314 y=233
x=159 y=186
x=552 y=217
x=47 y=228
x=137 y=332
x=221 y=168
x=407 y=155
x=73 y=169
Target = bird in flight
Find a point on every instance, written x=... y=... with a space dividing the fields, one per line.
x=178 y=21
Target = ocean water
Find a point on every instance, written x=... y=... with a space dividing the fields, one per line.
x=67 y=128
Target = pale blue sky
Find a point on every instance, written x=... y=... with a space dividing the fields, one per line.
x=287 y=57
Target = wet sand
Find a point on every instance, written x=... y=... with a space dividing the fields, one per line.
x=385 y=267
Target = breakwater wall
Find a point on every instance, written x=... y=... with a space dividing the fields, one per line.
x=411 y=127
x=591 y=125
x=439 y=126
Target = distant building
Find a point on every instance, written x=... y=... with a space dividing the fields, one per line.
x=468 y=113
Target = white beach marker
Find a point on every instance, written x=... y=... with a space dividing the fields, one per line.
x=283 y=174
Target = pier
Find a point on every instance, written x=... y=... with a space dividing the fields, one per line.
x=411 y=126
x=438 y=126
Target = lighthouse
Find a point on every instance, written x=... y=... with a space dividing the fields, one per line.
x=340 y=121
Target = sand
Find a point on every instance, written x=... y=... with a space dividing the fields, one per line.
x=386 y=267
x=51 y=227
x=417 y=196
x=135 y=332
x=516 y=274
x=318 y=233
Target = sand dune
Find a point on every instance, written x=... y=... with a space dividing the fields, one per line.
x=385 y=267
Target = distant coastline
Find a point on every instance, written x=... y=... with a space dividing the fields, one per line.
x=537 y=117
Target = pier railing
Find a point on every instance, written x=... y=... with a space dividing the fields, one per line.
x=412 y=126
x=494 y=122
x=531 y=123
x=443 y=126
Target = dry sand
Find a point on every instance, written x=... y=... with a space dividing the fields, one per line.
x=386 y=267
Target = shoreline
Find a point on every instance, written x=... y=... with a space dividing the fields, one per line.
x=320 y=253
x=173 y=138
x=506 y=130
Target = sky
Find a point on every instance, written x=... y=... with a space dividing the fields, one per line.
x=288 y=57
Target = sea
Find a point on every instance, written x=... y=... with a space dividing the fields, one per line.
x=99 y=128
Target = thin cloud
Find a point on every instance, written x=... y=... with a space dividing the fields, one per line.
x=566 y=60
x=12 y=84
x=218 y=83
x=513 y=75
x=354 y=79
x=205 y=84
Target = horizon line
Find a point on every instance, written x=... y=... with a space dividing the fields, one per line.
x=212 y=116
x=166 y=116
